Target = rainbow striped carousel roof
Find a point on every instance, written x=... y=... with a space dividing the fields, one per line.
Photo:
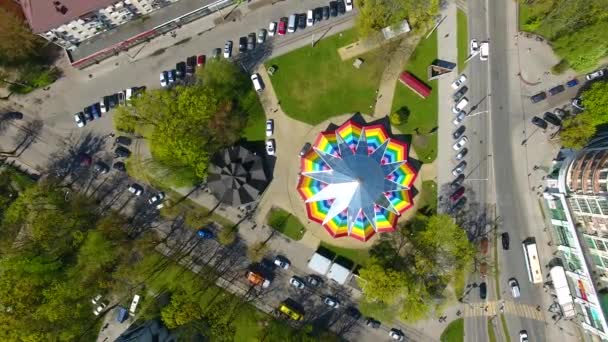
x=356 y=180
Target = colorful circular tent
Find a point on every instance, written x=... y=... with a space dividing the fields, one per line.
x=356 y=180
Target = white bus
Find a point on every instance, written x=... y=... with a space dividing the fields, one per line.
x=532 y=262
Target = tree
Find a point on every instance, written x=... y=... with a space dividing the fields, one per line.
x=16 y=40
x=382 y=284
x=375 y=15
x=595 y=100
x=576 y=131
x=181 y=311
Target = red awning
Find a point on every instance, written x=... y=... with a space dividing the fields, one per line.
x=413 y=83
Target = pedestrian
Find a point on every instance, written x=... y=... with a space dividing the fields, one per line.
x=538 y=308
x=458 y=313
x=447 y=35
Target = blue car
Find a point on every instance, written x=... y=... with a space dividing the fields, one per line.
x=204 y=234
x=572 y=83
x=95 y=111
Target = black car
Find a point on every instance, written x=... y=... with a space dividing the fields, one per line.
x=302 y=21
x=458 y=205
x=12 y=116
x=111 y=101
x=341 y=7
x=459 y=94
x=353 y=312
x=305 y=149
x=314 y=281
x=325 y=12
x=552 y=119
x=458 y=132
x=121 y=152
x=539 y=122
x=181 y=70
x=483 y=291
x=317 y=14
x=505 y=240
x=190 y=65
x=120 y=166
x=101 y=167
x=217 y=52
x=556 y=90
x=457 y=182
x=88 y=114
x=372 y=323
x=538 y=97
x=251 y=41
x=242 y=44
x=122 y=140
x=333 y=8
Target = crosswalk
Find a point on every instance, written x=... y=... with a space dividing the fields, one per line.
x=492 y=308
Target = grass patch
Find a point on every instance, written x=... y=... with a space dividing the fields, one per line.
x=459 y=281
x=422 y=118
x=454 y=332
x=314 y=84
x=285 y=223
x=256 y=119
x=505 y=329
x=491 y=333
x=358 y=256
x=462 y=38
x=428 y=197
x=196 y=215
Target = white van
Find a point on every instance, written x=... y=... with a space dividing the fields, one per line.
x=134 y=304
x=291 y=24
x=309 y=19
x=257 y=84
x=484 y=51
x=460 y=105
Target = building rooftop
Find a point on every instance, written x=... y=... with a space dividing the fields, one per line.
x=43 y=15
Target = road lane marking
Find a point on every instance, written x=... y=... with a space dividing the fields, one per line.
x=491 y=308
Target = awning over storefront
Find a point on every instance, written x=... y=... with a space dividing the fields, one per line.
x=562 y=290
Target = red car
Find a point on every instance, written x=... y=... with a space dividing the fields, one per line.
x=457 y=194
x=282 y=26
x=200 y=61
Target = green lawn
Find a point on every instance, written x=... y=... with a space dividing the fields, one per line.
x=505 y=329
x=428 y=196
x=358 y=256
x=454 y=332
x=422 y=117
x=491 y=333
x=285 y=223
x=463 y=38
x=256 y=127
x=314 y=84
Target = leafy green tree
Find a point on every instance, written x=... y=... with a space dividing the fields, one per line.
x=382 y=284
x=375 y=15
x=16 y=39
x=577 y=131
x=595 y=100
x=182 y=310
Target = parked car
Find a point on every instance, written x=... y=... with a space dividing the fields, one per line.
x=102 y=105
x=282 y=26
x=341 y=7
x=121 y=152
x=79 y=118
x=458 y=132
x=460 y=106
x=136 y=189
x=101 y=167
x=314 y=280
x=269 y=127
x=504 y=239
x=484 y=51
x=457 y=182
x=301 y=20
x=200 y=60
x=228 y=49
x=332 y=302
x=460 y=143
x=538 y=97
x=560 y=113
x=94 y=109
x=310 y=20
x=353 y=312
x=556 y=90
x=595 y=74
x=333 y=8
x=122 y=140
x=251 y=41
x=396 y=334
x=325 y=12
x=216 y=53
x=458 y=205
x=88 y=115
x=372 y=323
x=204 y=233
x=99 y=309
x=459 y=94
x=552 y=119
x=474 y=46
x=459 y=81
x=171 y=76
x=120 y=166
x=96 y=299
x=190 y=65
x=270 y=147
x=112 y=101
x=572 y=83
x=318 y=14
x=282 y=262
x=307 y=146
x=459 y=169
x=242 y=44
x=523 y=336
x=13 y=116
x=121 y=98
x=514 y=285
x=349 y=5
x=261 y=36
x=577 y=102
x=459 y=118
x=483 y=290
x=539 y=122
x=457 y=194
x=461 y=154
x=297 y=283
x=84 y=159
x=272 y=27
x=180 y=69
x=157 y=200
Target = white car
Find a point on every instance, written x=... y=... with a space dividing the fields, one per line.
x=523 y=336
x=96 y=299
x=257 y=84
x=102 y=106
x=157 y=200
x=79 y=118
x=136 y=189
x=474 y=46
x=460 y=143
x=297 y=283
x=349 y=5
x=270 y=147
x=272 y=28
x=514 y=288
x=459 y=81
x=460 y=106
x=281 y=262
x=484 y=51
x=269 y=127
x=228 y=49
x=100 y=308
x=309 y=18
x=595 y=74
x=331 y=302
x=396 y=334
x=459 y=118
x=163 y=79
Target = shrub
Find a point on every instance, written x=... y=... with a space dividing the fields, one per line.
x=560 y=67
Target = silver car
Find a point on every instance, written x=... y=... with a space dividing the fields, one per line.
x=460 y=143
x=459 y=168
